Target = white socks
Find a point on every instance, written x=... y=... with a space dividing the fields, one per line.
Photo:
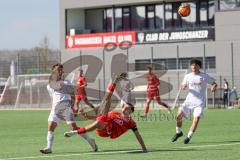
x=190 y=134
x=86 y=137
x=50 y=138
x=90 y=141
x=178 y=130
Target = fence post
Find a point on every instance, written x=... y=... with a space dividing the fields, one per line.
x=168 y=89
x=103 y=56
x=31 y=93
x=220 y=87
x=99 y=89
x=213 y=99
x=206 y=94
x=232 y=64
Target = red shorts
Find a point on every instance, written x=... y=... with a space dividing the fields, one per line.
x=104 y=132
x=79 y=98
x=153 y=94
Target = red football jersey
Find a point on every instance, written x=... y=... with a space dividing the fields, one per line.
x=115 y=124
x=153 y=82
x=80 y=88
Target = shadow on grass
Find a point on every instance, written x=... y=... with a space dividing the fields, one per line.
x=137 y=151
x=152 y=150
x=214 y=142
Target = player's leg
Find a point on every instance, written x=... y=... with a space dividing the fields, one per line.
x=197 y=113
x=225 y=99
x=192 y=129
x=106 y=102
x=148 y=101
x=162 y=103
x=183 y=111
x=73 y=126
x=70 y=120
x=50 y=137
x=88 y=103
x=84 y=130
x=76 y=104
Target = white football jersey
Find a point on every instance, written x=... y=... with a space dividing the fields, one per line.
x=60 y=95
x=126 y=85
x=197 y=84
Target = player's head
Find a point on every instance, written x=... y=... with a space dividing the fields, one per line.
x=195 y=65
x=127 y=109
x=149 y=68
x=80 y=72
x=57 y=71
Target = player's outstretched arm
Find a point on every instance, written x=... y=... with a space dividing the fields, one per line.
x=183 y=86
x=140 y=140
x=87 y=116
x=213 y=86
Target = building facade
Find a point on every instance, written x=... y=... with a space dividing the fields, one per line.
x=107 y=36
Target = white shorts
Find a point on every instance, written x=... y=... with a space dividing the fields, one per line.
x=187 y=109
x=62 y=111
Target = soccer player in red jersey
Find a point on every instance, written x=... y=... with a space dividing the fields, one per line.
x=81 y=92
x=111 y=124
x=152 y=91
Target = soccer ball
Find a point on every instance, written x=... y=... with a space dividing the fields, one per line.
x=184 y=10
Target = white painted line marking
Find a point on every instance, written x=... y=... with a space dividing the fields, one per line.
x=115 y=152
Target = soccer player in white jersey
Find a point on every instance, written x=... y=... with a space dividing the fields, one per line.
x=196 y=82
x=62 y=94
x=126 y=88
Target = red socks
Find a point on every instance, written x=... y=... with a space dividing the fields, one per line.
x=111 y=87
x=147 y=109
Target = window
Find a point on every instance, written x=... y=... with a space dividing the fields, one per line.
x=118 y=19
x=171 y=63
x=141 y=65
x=108 y=15
x=161 y=64
x=210 y=62
x=203 y=13
x=162 y=16
x=150 y=17
x=184 y=63
x=176 y=16
x=138 y=17
x=168 y=15
x=211 y=12
x=159 y=16
x=126 y=18
x=229 y=4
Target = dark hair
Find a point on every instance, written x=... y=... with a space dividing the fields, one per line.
x=197 y=62
x=149 y=67
x=132 y=107
x=57 y=64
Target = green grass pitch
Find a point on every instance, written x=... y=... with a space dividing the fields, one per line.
x=23 y=133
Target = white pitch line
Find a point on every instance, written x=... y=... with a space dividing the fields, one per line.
x=115 y=152
x=25 y=109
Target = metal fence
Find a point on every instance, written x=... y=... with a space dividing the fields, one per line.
x=29 y=91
